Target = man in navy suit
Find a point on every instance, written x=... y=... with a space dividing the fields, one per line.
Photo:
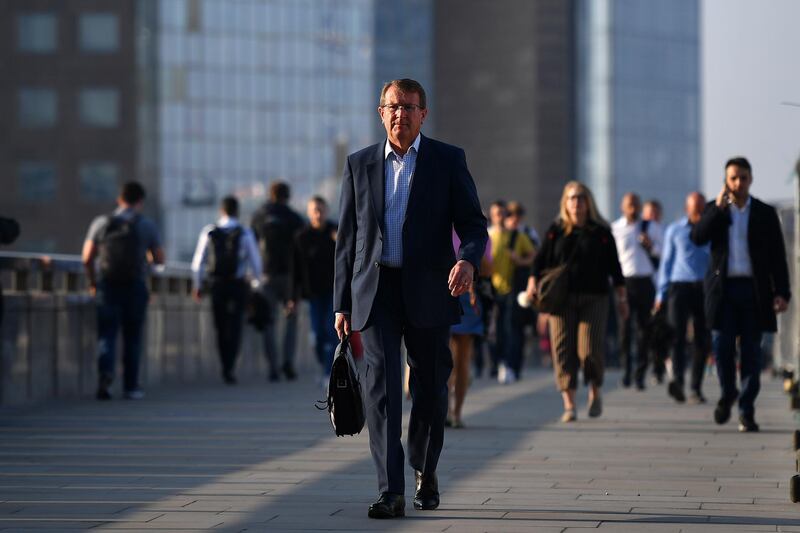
x=398 y=278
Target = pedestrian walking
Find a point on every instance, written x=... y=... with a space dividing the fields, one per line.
x=580 y=240
x=638 y=246
x=746 y=284
x=397 y=278
x=275 y=225
x=652 y=213
x=497 y=214
x=9 y=231
x=123 y=242
x=512 y=253
x=462 y=341
x=680 y=290
x=225 y=252
x=312 y=279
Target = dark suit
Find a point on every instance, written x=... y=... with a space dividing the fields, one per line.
x=742 y=307
x=412 y=302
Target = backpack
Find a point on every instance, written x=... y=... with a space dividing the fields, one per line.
x=223 y=256
x=345 y=402
x=119 y=251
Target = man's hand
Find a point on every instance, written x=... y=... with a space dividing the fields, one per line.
x=780 y=304
x=623 y=309
x=342 y=325
x=197 y=295
x=657 y=306
x=460 y=280
x=290 y=307
x=92 y=290
x=723 y=197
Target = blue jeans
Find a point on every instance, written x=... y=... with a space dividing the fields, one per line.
x=122 y=306
x=325 y=337
x=739 y=319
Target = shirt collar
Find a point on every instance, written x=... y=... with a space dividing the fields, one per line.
x=746 y=205
x=226 y=221
x=387 y=147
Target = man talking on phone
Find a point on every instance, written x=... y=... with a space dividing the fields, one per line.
x=746 y=284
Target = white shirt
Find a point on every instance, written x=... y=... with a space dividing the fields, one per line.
x=248 y=251
x=632 y=256
x=738 y=249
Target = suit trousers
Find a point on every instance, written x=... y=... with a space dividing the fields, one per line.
x=685 y=301
x=227 y=303
x=641 y=296
x=430 y=362
x=739 y=318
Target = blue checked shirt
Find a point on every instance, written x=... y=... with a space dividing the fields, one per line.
x=398 y=172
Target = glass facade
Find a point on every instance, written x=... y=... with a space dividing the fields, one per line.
x=638 y=100
x=99 y=180
x=37 y=107
x=36 y=181
x=99 y=107
x=37 y=33
x=98 y=32
x=255 y=91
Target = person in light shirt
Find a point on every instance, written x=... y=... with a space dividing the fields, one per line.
x=746 y=284
x=638 y=245
x=225 y=251
x=680 y=291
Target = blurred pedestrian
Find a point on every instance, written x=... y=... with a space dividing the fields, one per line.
x=225 y=251
x=638 y=246
x=462 y=337
x=497 y=214
x=123 y=242
x=313 y=256
x=511 y=250
x=9 y=231
x=747 y=283
x=652 y=212
x=275 y=225
x=580 y=239
x=680 y=290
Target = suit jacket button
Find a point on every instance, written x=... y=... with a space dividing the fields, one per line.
x=377 y=264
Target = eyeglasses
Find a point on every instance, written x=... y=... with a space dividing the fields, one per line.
x=394 y=108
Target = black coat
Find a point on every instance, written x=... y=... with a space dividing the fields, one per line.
x=442 y=197
x=767 y=257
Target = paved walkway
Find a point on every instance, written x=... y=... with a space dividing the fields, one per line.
x=259 y=457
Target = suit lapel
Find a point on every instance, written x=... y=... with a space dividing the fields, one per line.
x=377 y=184
x=422 y=173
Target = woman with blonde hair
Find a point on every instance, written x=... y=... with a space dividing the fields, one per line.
x=581 y=240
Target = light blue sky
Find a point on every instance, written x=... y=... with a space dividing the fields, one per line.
x=750 y=64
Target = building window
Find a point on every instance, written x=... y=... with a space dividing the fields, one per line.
x=36 y=181
x=37 y=107
x=98 y=32
x=98 y=180
x=37 y=33
x=99 y=107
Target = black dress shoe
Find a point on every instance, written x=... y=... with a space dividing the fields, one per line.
x=288 y=371
x=722 y=413
x=427 y=496
x=388 y=506
x=747 y=424
x=676 y=391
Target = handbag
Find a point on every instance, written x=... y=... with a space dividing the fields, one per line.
x=553 y=290
x=345 y=401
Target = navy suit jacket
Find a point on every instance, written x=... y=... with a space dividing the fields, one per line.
x=442 y=197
